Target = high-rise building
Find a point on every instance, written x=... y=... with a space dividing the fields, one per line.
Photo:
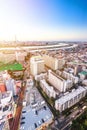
x=36 y=65
x=53 y=62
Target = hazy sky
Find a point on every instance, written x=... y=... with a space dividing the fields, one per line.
x=43 y=19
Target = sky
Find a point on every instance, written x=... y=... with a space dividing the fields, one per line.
x=41 y=20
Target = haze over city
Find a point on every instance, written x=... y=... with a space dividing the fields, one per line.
x=43 y=20
x=43 y=65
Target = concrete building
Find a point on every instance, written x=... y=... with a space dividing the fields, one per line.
x=77 y=69
x=11 y=86
x=58 y=82
x=85 y=82
x=20 y=56
x=49 y=90
x=70 y=76
x=83 y=75
x=70 y=99
x=41 y=76
x=6 y=106
x=53 y=62
x=36 y=65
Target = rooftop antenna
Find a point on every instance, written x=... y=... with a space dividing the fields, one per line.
x=15 y=39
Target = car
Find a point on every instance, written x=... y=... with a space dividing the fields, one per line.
x=22 y=123
x=23 y=118
x=23 y=111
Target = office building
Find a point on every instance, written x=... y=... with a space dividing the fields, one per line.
x=70 y=98
x=36 y=65
x=58 y=82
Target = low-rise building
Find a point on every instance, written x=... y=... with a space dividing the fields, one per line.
x=85 y=82
x=6 y=106
x=83 y=75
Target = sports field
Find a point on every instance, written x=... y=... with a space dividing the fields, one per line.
x=13 y=67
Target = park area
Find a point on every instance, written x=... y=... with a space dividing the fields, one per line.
x=12 y=67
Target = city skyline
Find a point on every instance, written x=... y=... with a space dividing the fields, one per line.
x=43 y=20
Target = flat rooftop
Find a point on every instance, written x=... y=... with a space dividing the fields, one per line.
x=32 y=119
x=37 y=114
x=83 y=72
x=4 y=95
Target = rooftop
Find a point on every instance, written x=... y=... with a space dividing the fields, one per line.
x=5 y=95
x=33 y=119
x=36 y=113
x=83 y=72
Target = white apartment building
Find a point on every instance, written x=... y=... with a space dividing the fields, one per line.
x=58 y=82
x=37 y=65
x=47 y=89
x=70 y=99
x=53 y=63
x=70 y=76
x=84 y=82
x=40 y=76
x=20 y=56
x=6 y=106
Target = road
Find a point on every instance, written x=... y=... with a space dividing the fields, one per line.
x=40 y=48
x=14 y=123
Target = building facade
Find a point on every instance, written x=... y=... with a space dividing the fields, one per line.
x=47 y=89
x=58 y=82
x=70 y=76
x=70 y=99
x=6 y=106
x=37 y=65
x=53 y=62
